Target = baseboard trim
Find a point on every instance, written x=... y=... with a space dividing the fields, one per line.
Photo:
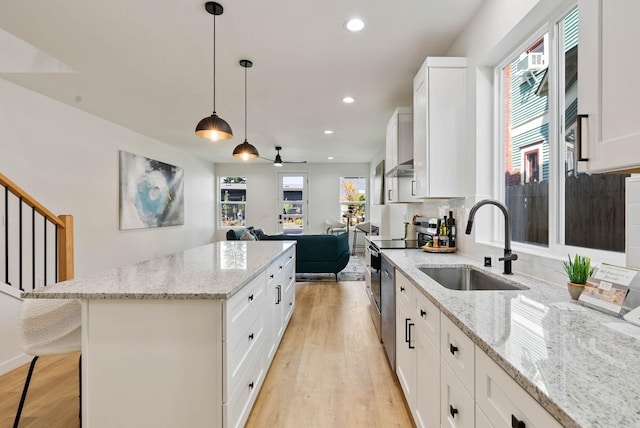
x=10 y=291
x=14 y=363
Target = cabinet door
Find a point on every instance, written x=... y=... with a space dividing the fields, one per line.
x=458 y=350
x=503 y=401
x=420 y=133
x=457 y=408
x=427 y=403
x=391 y=160
x=608 y=94
x=439 y=105
x=406 y=351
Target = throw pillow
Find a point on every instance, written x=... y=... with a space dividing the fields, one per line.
x=247 y=236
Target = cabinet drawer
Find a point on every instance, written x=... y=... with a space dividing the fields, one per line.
x=481 y=419
x=502 y=400
x=428 y=317
x=457 y=408
x=236 y=409
x=288 y=277
x=405 y=291
x=244 y=306
x=289 y=302
x=289 y=256
x=458 y=351
x=239 y=350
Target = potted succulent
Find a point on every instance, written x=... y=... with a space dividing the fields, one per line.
x=578 y=270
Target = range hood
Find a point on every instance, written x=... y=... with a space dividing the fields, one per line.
x=405 y=169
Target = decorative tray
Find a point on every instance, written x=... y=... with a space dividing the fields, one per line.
x=439 y=249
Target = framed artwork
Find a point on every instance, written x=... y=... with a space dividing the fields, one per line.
x=151 y=193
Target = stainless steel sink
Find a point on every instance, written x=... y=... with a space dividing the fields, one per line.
x=467 y=278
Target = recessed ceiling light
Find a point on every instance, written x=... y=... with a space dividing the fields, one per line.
x=348 y=100
x=328 y=132
x=330 y=158
x=355 y=24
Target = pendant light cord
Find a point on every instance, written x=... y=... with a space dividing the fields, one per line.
x=245 y=104
x=214 y=62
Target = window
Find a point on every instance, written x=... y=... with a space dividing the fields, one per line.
x=353 y=197
x=233 y=201
x=538 y=106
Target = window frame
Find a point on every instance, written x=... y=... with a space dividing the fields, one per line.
x=556 y=248
x=219 y=203
x=346 y=203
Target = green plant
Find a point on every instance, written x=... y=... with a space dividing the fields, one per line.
x=578 y=269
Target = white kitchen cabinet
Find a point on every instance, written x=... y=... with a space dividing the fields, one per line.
x=280 y=298
x=457 y=408
x=427 y=403
x=399 y=150
x=503 y=402
x=439 y=118
x=417 y=356
x=405 y=340
x=607 y=92
x=457 y=349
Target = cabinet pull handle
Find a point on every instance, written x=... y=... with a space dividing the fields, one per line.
x=389 y=194
x=251 y=385
x=406 y=329
x=579 y=118
x=279 y=296
x=251 y=337
x=453 y=411
x=453 y=349
x=423 y=313
x=413 y=187
x=251 y=297
x=280 y=267
x=410 y=345
x=271 y=276
x=516 y=423
x=402 y=289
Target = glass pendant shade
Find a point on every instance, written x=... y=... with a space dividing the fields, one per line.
x=245 y=151
x=214 y=128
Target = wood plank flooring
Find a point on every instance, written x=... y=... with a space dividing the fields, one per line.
x=330 y=371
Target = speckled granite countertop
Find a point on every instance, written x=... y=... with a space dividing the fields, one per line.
x=573 y=362
x=214 y=271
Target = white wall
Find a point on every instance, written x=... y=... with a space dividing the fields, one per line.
x=68 y=160
x=323 y=191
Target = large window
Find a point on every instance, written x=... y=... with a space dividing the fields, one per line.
x=353 y=197
x=538 y=108
x=233 y=201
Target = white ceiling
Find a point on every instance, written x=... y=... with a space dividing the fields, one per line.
x=147 y=65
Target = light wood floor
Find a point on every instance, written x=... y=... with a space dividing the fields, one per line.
x=330 y=371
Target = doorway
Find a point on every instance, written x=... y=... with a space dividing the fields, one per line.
x=292 y=203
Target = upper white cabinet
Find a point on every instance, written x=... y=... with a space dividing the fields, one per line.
x=399 y=154
x=439 y=117
x=607 y=92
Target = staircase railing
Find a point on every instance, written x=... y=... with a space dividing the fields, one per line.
x=30 y=259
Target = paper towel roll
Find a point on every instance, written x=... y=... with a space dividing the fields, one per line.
x=412 y=232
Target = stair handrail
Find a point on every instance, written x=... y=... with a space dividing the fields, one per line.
x=63 y=222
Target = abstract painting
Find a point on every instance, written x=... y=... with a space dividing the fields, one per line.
x=151 y=193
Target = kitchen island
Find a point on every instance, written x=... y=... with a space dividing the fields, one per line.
x=581 y=366
x=181 y=340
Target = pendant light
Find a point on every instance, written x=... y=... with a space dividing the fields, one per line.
x=213 y=127
x=245 y=150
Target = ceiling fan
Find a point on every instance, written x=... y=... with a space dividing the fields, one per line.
x=278 y=160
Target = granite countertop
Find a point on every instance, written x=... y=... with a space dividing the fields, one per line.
x=581 y=365
x=214 y=271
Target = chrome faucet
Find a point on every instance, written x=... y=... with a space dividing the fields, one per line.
x=508 y=256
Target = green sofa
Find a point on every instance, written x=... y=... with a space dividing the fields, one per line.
x=314 y=253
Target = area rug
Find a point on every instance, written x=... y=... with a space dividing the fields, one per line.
x=354 y=271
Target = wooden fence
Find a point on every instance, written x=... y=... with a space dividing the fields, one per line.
x=594 y=212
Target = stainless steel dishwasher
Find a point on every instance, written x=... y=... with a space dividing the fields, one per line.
x=388 y=312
